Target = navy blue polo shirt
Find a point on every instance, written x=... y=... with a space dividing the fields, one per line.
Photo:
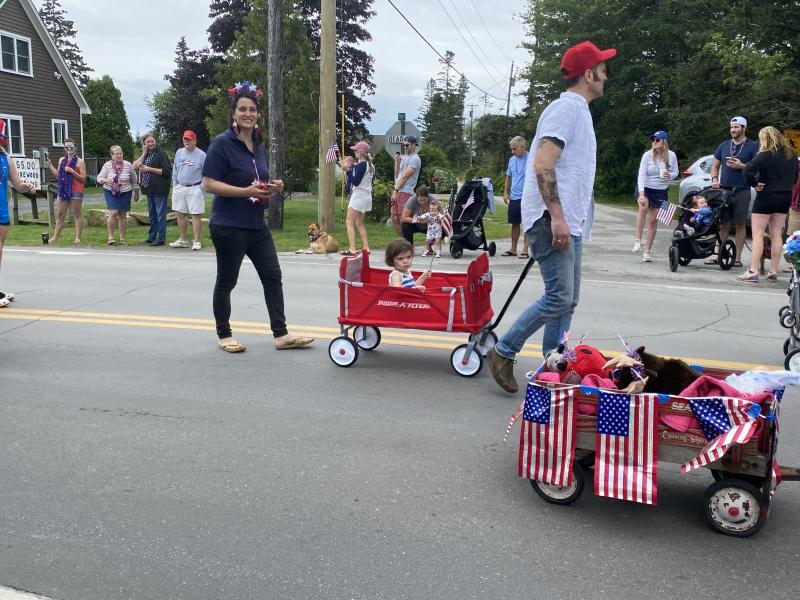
x=745 y=152
x=228 y=160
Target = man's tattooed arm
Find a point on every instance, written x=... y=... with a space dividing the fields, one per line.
x=549 y=151
x=548 y=186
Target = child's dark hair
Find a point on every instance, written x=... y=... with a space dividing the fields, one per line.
x=397 y=247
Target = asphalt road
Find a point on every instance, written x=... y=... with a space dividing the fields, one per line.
x=139 y=461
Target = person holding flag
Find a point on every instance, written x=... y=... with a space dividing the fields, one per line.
x=557 y=206
x=658 y=167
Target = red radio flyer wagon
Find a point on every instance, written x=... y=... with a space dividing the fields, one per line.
x=451 y=302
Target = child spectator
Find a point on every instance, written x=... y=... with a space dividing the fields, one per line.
x=433 y=238
x=399 y=255
x=702 y=216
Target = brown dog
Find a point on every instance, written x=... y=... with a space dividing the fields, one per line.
x=319 y=241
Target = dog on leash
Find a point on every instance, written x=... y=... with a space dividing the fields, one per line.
x=319 y=242
x=766 y=255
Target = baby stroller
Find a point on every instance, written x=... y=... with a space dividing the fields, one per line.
x=467 y=208
x=790 y=319
x=702 y=243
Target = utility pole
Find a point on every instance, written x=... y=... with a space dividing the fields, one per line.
x=471 y=134
x=510 y=84
x=327 y=112
x=275 y=106
x=485 y=102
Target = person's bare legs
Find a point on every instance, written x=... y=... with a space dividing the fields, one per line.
x=183 y=225
x=652 y=227
x=3 y=234
x=398 y=228
x=759 y=223
x=123 y=224
x=741 y=236
x=351 y=230
x=63 y=205
x=77 y=216
x=112 y=223
x=776 y=222
x=514 y=236
x=640 y=217
x=361 y=228
x=197 y=226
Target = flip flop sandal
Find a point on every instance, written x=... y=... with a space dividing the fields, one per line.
x=523 y=255
x=297 y=342
x=348 y=253
x=749 y=277
x=772 y=277
x=231 y=346
x=738 y=263
x=508 y=253
x=713 y=261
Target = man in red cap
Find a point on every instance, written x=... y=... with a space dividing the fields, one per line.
x=188 y=196
x=557 y=206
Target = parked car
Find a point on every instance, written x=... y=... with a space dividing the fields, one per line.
x=698 y=176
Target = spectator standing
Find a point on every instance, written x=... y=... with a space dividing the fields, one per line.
x=772 y=172
x=154 y=179
x=235 y=172
x=406 y=173
x=118 y=179
x=658 y=167
x=512 y=193
x=71 y=175
x=188 y=195
x=359 y=182
x=8 y=172
x=730 y=158
x=557 y=206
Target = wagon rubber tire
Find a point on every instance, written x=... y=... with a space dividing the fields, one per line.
x=788 y=320
x=727 y=255
x=473 y=366
x=492 y=248
x=456 y=250
x=367 y=337
x=562 y=495
x=489 y=343
x=735 y=507
x=792 y=361
x=343 y=351
x=674 y=257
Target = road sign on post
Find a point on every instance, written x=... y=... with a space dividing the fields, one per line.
x=401 y=116
x=793 y=137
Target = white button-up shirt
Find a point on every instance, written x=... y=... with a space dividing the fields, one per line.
x=569 y=120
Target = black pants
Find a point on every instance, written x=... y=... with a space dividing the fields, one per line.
x=409 y=229
x=232 y=245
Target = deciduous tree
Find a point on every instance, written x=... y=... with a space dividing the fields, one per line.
x=108 y=124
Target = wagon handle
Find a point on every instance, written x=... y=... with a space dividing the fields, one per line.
x=522 y=277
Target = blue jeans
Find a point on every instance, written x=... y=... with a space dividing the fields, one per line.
x=157 y=209
x=561 y=273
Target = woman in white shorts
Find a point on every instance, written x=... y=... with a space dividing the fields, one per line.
x=359 y=179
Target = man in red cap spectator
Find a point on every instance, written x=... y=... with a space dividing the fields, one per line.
x=557 y=206
x=188 y=195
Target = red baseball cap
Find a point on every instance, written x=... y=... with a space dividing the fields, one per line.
x=3 y=131
x=189 y=134
x=583 y=56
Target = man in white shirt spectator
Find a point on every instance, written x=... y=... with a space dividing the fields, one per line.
x=188 y=196
x=557 y=206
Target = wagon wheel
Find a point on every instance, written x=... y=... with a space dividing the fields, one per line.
x=555 y=494
x=343 y=351
x=471 y=366
x=727 y=255
x=489 y=342
x=735 y=507
x=788 y=320
x=792 y=361
x=367 y=337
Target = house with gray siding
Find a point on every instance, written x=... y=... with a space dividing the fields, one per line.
x=39 y=100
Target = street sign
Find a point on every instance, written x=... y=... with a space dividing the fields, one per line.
x=401 y=116
x=793 y=137
x=28 y=170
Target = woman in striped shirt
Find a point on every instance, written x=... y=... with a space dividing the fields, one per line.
x=117 y=178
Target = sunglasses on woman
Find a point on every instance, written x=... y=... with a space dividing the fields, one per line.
x=69 y=146
x=655 y=139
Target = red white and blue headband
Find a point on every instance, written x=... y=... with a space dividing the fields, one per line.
x=246 y=89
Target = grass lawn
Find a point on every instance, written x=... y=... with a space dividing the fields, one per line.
x=298 y=213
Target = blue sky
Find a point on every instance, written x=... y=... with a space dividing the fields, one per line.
x=134 y=42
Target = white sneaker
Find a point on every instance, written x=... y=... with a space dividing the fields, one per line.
x=646 y=257
x=637 y=245
x=196 y=245
x=179 y=244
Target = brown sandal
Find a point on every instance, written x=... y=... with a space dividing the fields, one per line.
x=297 y=342
x=231 y=345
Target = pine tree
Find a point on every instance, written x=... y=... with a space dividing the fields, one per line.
x=441 y=113
x=62 y=30
x=229 y=16
x=108 y=124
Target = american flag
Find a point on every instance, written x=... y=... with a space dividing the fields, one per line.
x=547 y=436
x=447 y=224
x=332 y=153
x=626 y=456
x=724 y=421
x=666 y=212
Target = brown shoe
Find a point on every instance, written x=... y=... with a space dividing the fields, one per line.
x=502 y=369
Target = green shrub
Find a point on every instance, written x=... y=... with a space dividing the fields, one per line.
x=381 y=200
x=447 y=180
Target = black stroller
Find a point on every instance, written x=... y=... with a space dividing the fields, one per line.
x=703 y=242
x=467 y=208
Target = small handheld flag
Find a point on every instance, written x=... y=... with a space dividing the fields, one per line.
x=665 y=213
x=447 y=224
x=333 y=152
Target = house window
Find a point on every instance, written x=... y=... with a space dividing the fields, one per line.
x=15 y=54
x=60 y=132
x=16 y=141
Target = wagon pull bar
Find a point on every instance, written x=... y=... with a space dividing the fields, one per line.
x=522 y=277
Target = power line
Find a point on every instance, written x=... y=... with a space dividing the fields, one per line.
x=439 y=54
x=494 y=41
x=461 y=35
x=474 y=39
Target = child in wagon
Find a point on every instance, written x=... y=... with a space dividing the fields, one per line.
x=399 y=255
